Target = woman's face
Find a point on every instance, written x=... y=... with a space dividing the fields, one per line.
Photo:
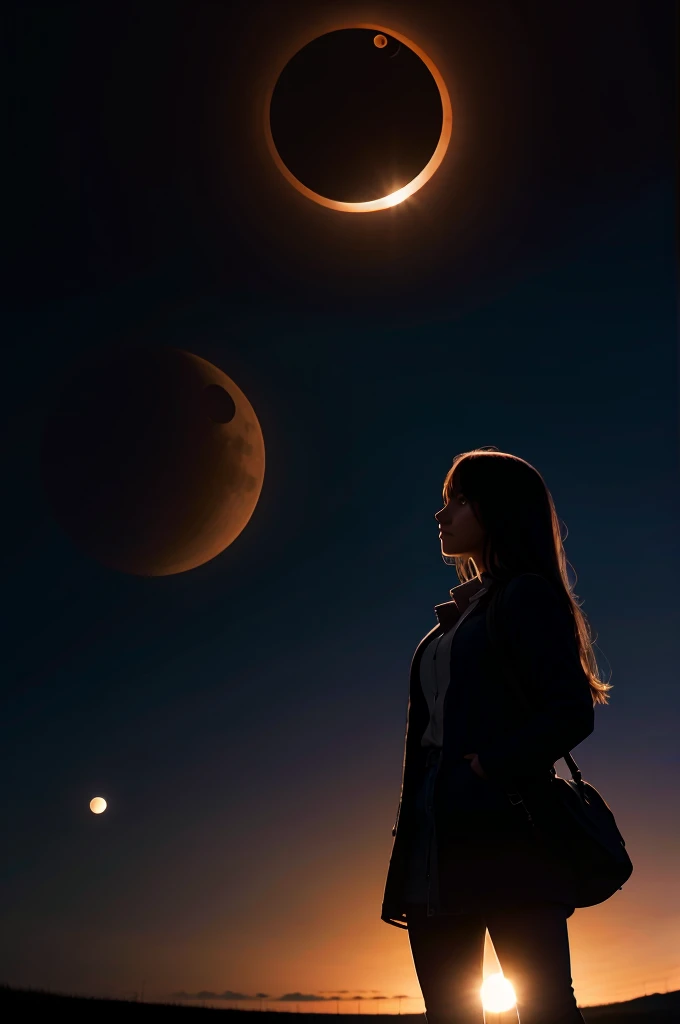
x=460 y=531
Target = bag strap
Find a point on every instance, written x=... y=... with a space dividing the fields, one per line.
x=498 y=640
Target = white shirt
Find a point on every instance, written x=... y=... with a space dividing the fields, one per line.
x=435 y=661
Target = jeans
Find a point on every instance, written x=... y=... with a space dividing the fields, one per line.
x=423 y=853
x=532 y=945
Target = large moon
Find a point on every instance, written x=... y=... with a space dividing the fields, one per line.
x=152 y=460
x=358 y=119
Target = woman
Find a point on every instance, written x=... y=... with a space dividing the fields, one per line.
x=464 y=857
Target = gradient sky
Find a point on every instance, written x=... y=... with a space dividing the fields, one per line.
x=245 y=720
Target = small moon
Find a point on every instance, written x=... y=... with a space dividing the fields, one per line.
x=219 y=404
x=98 y=805
x=380 y=41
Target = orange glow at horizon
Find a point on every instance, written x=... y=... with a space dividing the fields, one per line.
x=371 y=963
x=393 y=198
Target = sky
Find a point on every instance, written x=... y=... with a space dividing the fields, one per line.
x=245 y=719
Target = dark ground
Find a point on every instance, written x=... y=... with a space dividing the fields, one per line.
x=29 y=1004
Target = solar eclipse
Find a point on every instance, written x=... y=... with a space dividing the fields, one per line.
x=359 y=119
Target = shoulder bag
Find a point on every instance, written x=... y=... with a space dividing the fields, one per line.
x=568 y=815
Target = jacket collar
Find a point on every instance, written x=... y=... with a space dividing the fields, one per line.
x=467 y=593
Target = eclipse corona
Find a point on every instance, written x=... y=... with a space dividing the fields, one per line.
x=358 y=119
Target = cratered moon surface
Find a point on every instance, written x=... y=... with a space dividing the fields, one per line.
x=152 y=460
x=357 y=115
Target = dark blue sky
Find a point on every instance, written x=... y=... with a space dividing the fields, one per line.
x=245 y=719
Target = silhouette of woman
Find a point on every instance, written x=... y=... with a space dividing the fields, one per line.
x=464 y=858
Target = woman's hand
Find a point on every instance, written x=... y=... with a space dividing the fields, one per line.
x=475 y=765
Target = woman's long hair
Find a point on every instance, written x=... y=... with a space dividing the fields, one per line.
x=513 y=504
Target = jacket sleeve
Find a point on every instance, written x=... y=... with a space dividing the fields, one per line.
x=536 y=626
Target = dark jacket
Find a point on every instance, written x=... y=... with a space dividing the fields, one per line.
x=486 y=850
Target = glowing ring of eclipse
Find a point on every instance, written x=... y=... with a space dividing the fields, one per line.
x=394 y=198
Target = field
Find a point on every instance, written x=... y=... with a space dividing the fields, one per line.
x=32 y=1004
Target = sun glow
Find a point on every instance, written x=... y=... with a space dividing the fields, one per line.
x=394 y=198
x=497 y=994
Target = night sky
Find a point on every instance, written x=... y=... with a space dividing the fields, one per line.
x=245 y=719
